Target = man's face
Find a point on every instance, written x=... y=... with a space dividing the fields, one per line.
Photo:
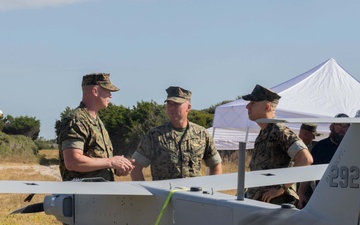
x=338 y=131
x=177 y=111
x=104 y=97
x=306 y=136
x=256 y=110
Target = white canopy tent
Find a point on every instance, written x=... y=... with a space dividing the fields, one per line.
x=228 y=139
x=323 y=91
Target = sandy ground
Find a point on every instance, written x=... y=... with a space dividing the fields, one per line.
x=52 y=170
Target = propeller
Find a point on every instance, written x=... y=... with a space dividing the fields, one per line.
x=34 y=208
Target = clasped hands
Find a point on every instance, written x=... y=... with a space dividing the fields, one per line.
x=122 y=165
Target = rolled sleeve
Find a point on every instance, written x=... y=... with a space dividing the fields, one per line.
x=72 y=143
x=295 y=148
x=213 y=161
x=140 y=159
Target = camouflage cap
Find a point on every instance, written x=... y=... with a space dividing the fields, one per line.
x=310 y=127
x=178 y=94
x=262 y=94
x=101 y=79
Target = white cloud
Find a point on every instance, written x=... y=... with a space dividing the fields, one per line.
x=35 y=4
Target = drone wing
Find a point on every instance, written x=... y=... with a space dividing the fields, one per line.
x=284 y=175
x=215 y=182
x=52 y=187
x=252 y=179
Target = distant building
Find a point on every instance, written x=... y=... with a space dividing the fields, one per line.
x=1 y=114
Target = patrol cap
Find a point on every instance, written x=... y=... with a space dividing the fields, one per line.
x=101 y=79
x=262 y=94
x=341 y=115
x=177 y=94
x=310 y=127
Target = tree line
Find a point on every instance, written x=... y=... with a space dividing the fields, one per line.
x=126 y=126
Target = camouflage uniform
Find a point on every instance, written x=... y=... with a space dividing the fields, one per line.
x=173 y=155
x=80 y=130
x=275 y=147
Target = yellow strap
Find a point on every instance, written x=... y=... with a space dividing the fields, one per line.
x=166 y=204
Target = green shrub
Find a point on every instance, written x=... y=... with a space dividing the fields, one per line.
x=41 y=143
x=17 y=146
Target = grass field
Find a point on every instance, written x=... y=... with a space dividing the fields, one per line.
x=11 y=202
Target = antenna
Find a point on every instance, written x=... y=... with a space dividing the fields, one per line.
x=241 y=171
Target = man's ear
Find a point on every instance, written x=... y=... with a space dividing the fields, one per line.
x=95 y=90
x=189 y=107
x=267 y=106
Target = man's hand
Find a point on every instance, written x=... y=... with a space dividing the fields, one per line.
x=271 y=193
x=122 y=165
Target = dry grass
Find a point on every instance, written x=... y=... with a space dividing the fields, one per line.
x=11 y=202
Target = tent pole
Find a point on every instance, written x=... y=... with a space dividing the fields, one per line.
x=241 y=172
x=246 y=136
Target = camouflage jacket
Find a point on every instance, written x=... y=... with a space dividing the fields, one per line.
x=172 y=155
x=80 y=130
x=274 y=147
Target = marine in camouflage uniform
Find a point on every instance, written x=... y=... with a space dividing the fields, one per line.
x=173 y=155
x=80 y=130
x=83 y=139
x=275 y=147
x=177 y=148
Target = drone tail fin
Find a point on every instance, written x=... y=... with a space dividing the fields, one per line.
x=337 y=196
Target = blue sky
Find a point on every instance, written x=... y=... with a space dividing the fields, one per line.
x=217 y=49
